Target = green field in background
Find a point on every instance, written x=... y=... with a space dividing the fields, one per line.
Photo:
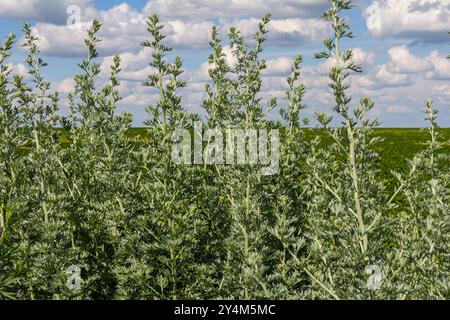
x=397 y=147
x=398 y=144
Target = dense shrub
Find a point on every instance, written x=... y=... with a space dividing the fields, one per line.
x=138 y=226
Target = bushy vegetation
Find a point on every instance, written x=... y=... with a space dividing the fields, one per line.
x=140 y=227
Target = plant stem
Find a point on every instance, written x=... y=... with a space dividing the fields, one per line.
x=356 y=193
x=2 y=221
x=334 y=295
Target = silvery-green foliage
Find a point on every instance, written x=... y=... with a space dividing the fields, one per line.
x=11 y=169
x=346 y=226
x=243 y=189
x=353 y=222
x=95 y=166
x=219 y=94
x=420 y=259
x=39 y=227
x=261 y=216
x=286 y=202
x=247 y=71
x=88 y=197
x=160 y=251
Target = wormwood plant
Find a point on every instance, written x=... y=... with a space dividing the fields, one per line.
x=97 y=165
x=161 y=251
x=348 y=225
x=88 y=197
x=39 y=227
x=11 y=169
x=336 y=183
x=348 y=229
x=287 y=242
x=244 y=267
x=257 y=213
x=420 y=260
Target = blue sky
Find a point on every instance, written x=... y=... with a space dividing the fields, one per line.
x=402 y=45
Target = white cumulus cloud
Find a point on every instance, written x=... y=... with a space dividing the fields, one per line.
x=421 y=20
x=402 y=61
x=43 y=10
